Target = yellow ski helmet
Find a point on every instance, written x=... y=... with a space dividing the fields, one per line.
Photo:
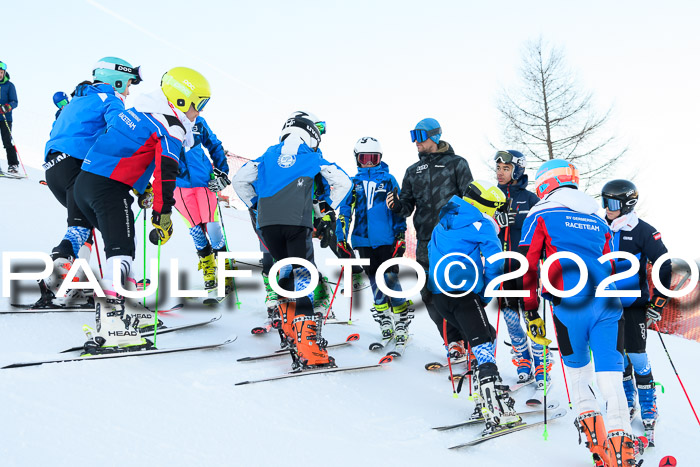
x=185 y=86
x=485 y=196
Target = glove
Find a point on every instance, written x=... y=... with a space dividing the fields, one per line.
x=654 y=309
x=345 y=250
x=392 y=200
x=326 y=230
x=163 y=228
x=219 y=181
x=145 y=199
x=399 y=247
x=535 y=328
x=6 y=108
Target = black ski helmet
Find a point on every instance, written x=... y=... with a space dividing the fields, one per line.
x=620 y=195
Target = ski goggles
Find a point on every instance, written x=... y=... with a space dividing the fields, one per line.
x=3 y=66
x=61 y=103
x=503 y=157
x=369 y=159
x=612 y=204
x=321 y=127
x=422 y=135
x=201 y=104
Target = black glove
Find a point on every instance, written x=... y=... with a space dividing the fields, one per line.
x=219 y=181
x=6 y=108
x=345 y=250
x=163 y=228
x=399 y=247
x=392 y=200
x=145 y=199
x=326 y=229
x=654 y=309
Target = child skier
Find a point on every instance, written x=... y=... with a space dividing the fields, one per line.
x=379 y=234
x=280 y=184
x=141 y=142
x=512 y=180
x=195 y=199
x=75 y=130
x=466 y=229
x=633 y=235
x=565 y=220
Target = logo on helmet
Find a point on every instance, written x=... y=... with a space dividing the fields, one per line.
x=286 y=160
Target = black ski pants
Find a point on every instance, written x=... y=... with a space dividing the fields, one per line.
x=6 y=133
x=468 y=315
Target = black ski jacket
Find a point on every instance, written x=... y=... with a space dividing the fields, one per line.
x=429 y=184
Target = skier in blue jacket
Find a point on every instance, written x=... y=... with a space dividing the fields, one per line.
x=73 y=133
x=8 y=101
x=512 y=180
x=198 y=181
x=378 y=234
x=280 y=184
x=466 y=231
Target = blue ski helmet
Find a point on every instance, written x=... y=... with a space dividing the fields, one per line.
x=513 y=157
x=117 y=72
x=431 y=129
x=60 y=99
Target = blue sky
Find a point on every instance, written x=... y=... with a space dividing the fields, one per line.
x=375 y=68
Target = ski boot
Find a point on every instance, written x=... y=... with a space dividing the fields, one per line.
x=623 y=449
x=458 y=353
x=402 y=318
x=647 y=402
x=282 y=319
x=591 y=424
x=311 y=350
x=382 y=315
x=630 y=391
x=322 y=298
x=13 y=169
x=116 y=329
x=271 y=297
x=207 y=264
x=496 y=405
x=538 y=358
x=524 y=367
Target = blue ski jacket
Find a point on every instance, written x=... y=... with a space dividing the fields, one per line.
x=195 y=166
x=375 y=224
x=86 y=118
x=8 y=95
x=463 y=230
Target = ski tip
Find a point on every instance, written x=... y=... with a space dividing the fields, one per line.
x=533 y=403
x=241 y=383
x=352 y=338
x=433 y=366
x=386 y=359
x=258 y=331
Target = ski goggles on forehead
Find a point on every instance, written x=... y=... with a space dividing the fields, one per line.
x=202 y=102
x=369 y=158
x=612 y=204
x=422 y=135
x=321 y=127
x=135 y=71
x=503 y=157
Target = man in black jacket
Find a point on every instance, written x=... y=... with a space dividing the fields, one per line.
x=427 y=186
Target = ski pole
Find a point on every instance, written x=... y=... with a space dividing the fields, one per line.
x=498 y=323
x=449 y=363
x=223 y=229
x=97 y=252
x=155 y=327
x=351 y=290
x=676 y=372
x=545 y=435
x=561 y=359
x=137 y=215
x=12 y=140
x=334 y=292
x=144 y=253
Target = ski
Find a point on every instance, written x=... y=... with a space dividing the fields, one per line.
x=55 y=307
x=9 y=175
x=163 y=330
x=398 y=350
x=538 y=398
x=381 y=344
x=507 y=430
x=434 y=366
x=260 y=330
x=336 y=321
x=472 y=421
x=284 y=352
x=311 y=372
x=135 y=353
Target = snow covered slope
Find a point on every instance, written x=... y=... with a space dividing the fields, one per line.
x=183 y=409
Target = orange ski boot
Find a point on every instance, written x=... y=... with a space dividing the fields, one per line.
x=310 y=346
x=592 y=426
x=623 y=448
x=286 y=308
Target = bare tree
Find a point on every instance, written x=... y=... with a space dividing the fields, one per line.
x=549 y=116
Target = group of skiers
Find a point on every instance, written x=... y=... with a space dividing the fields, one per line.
x=101 y=154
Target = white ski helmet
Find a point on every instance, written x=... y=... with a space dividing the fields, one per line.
x=367 y=145
x=304 y=128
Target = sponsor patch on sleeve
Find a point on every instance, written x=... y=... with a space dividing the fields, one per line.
x=657 y=235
